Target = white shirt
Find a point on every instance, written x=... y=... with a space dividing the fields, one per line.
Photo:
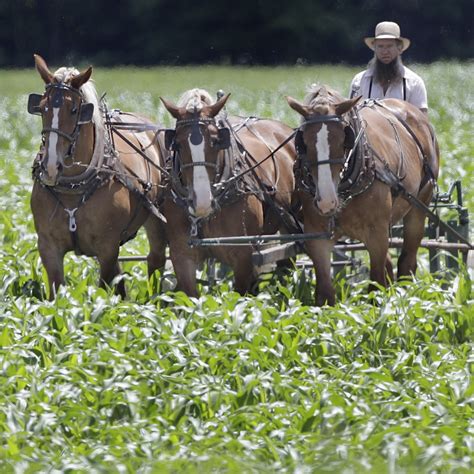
x=415 y=90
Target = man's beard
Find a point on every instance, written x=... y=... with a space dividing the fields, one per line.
x=387 y=73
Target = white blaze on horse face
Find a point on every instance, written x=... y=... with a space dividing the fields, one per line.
x=327 y=201
x=202 y=198
x=52 y=165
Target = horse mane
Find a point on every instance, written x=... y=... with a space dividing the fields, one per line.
x=321 y=97
x=64 y=75
x=194 y=100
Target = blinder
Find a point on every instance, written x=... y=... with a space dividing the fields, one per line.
x=299 y=143
x=349 y=139
x=33 y=104
x=86 y=110
x=170 y=143
x=223 y=138
x=85 y=116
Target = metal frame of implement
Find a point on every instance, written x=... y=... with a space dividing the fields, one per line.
x=442 y=242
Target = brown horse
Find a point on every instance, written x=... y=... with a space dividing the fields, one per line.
x=356 y=166
x=225 y=182
x=92 y=189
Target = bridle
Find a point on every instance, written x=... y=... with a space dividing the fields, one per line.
x=324 y=119
x=223 y=141
x=55 y=94
x=357 y=171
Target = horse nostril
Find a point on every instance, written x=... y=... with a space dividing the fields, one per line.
x=325 y=208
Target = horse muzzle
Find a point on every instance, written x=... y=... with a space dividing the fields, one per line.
x=200 y=212
x=326 y=208
x=201 y=204
x=49 y=176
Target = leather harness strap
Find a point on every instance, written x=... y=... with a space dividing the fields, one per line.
x=428 y=175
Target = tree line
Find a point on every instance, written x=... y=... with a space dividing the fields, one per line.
x=267 y=32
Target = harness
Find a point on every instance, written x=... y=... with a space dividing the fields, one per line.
x=104 y=164
x=235 y=168
x=358 y=167
x=360 y=161
x=224 y=167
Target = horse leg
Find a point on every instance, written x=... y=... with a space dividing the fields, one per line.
x=389 y=268
x=185 y=262
x=245 y=276
x=156 y=233
x=320 y=254
x=413 y=231
x=377 y=246
x=52 y=258
x=185 y=268
x=109 y=269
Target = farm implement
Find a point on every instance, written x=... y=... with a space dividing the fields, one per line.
x=446 y=238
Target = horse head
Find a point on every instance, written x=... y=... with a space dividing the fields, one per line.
x=197 y=141
x=66 y=105
x=322 y=141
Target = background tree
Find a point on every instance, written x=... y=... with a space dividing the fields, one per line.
x=148 y=32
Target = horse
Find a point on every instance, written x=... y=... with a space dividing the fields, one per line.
x=93 y=188
x=230 y=176
x=361 y=168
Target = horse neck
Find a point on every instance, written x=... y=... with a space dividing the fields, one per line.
x=88 y=155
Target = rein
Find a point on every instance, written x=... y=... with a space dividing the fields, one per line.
x=115 y=129
x=429 y=172
x=256 y=165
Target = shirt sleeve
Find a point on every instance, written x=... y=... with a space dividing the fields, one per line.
x=355 y=85
x=418 y=95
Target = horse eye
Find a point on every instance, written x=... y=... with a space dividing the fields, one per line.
x=73 y=110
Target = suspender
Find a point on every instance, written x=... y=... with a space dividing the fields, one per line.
x=404 y=88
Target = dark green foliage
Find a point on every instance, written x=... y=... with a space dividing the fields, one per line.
x=150 y=32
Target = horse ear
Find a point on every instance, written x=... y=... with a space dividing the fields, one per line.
x=214 y=109
x=298 y=106
x=173 y=109
x=346 y=105
x=78 y=81
x=42 y=69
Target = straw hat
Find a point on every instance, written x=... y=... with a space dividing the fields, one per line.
x=387 y=30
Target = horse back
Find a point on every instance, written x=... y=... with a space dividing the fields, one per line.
x=261 y=137
x=272 y=131
x=140 y=152
x=418 y=122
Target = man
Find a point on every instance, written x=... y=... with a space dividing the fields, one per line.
x=386 y=76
